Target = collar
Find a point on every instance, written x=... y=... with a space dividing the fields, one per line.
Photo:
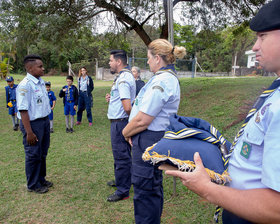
x=125 y=69
x=169 y=68
x=33 y=79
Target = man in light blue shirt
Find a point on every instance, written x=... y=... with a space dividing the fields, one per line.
x=33 y=110
x=120 y=102
x=253 y=196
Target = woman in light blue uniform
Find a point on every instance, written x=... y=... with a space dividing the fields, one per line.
x=156 y=101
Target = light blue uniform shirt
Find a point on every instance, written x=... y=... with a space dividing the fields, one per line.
x=262 y=133
x=160 y=98
x=124 y=87
x=33 y=97
x=83 y=83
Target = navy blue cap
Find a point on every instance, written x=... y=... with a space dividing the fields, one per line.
x=47 y=83
x=268 y=17
x=9 y=79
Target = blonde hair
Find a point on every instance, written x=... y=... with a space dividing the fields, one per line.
x=165 y=49
x=80 y=71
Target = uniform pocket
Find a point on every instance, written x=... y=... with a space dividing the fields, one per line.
x=142 y=177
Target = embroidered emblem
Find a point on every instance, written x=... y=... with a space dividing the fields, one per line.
x=136 y=101
x=245 y=150
x=264 y=108
x=158 y=87
x=39 y=101
x=258 y=119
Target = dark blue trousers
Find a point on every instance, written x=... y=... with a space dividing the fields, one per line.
x=229 y=218
x=122 y=158
x=84 y=102
x=35 y=155
x=146 y=180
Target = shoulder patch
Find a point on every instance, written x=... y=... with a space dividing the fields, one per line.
x=159 y=88
x=122 y=82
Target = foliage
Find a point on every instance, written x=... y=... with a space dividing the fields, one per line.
x=4 y=67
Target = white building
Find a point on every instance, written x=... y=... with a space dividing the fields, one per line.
x=251 y=58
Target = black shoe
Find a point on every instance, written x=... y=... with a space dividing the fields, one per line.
x=71 y=130
x=15 y=128
x=17 y=125
x=111 y=183
x=47 y=184
x=67 y=130
x=40 y=190
x=51 y=130
x=114 y=197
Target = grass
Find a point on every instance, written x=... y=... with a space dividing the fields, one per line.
x=81 y=163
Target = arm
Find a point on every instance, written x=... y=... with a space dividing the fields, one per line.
x=91 y=86
x=257 y=205
x=30 y=136
x=62 y=92
x=76 y=96
x=139 y=123
x=126 y=106
x=54 y=102
x=7 y=96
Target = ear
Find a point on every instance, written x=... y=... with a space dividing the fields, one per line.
x=158 y=59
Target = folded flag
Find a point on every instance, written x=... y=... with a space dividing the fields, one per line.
x=185 y=136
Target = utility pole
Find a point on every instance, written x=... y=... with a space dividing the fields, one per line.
x=171 y=40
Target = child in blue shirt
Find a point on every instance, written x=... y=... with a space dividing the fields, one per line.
x=70 y=101
x=11 y=101
x=52 y=103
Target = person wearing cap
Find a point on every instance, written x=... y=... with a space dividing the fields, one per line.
x=253 y=195
x=33 y=110
x=149 y=117
x=11 y=101
x=139 y=82
x=120 y=103
x=85 y=86
x=52 y=103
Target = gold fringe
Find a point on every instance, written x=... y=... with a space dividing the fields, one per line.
x=184 y=165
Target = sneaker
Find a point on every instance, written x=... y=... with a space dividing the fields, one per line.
x=40 y=190
x=15 y=128
x=47 y=184
x=114 y=197
x=78 y=123
x=17 y=125
x=51 y=130
x=67 y=130
x=71 y=130
x=111 y=183
x=90 y=124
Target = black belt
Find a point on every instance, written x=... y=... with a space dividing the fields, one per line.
x=83 y=91
x=120 y=119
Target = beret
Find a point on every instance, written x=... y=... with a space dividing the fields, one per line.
x=185 y=136
x=9 y=79
x=47 y=83
x=268 y=17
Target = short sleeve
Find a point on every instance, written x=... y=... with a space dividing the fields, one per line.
x=155 y=98
x=124 y=89
x=271 y=154
x=23 y=94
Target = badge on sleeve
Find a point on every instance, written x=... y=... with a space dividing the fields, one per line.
x=258 y=119
x=245 y=150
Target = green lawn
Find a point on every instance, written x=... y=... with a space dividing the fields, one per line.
x=81 y=163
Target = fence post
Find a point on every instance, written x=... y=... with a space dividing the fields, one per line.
x=193 y=67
